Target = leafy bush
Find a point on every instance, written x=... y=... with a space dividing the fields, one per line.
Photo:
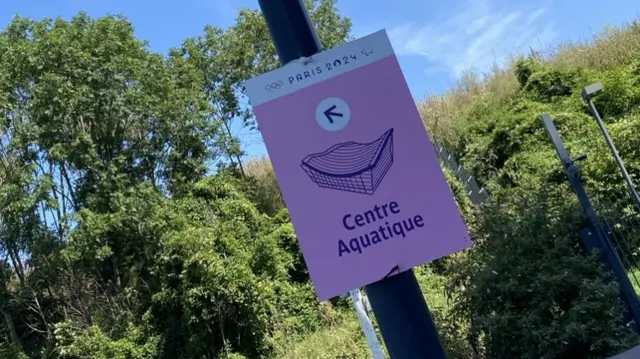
x=453 y=333
x=621 y=96
x=75 y=343
x=545 y=85
x=8 y=351
x=342 y=339
x=528 y=281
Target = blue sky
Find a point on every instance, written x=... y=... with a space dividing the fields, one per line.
x=435 y=40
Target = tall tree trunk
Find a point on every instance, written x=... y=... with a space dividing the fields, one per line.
x=14 y=255
x=11 y=328
x=78 y=296
x=60 y=201
x=65 y=175
x=228 y=129
x=116 y=271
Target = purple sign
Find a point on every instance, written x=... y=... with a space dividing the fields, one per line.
x=364 y=188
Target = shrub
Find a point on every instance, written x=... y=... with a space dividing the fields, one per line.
x=547 y=84
x=75 y=343
x=8 y=351
x=453 y=333
x=342 y=339
x=527 y=281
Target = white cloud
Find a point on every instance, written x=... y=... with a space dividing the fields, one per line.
x=476 y=37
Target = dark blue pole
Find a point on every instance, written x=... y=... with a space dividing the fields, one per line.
x=397 y=301
x=404 y=319
x=291 y=29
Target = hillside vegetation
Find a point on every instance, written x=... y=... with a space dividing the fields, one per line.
x=130 y=227
x=527 y=280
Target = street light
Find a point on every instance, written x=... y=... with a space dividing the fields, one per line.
x=587 y=94
x=592 y=90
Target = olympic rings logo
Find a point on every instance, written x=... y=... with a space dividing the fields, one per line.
x=273 y=86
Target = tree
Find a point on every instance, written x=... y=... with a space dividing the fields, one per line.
x=91 y=118
x=225 y=59
x=106 y=195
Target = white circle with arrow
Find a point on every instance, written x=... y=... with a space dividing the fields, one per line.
x=333 y=114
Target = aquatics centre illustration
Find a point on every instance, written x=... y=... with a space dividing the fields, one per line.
x=352 y=166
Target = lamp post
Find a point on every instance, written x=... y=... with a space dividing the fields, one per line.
x=588 y=93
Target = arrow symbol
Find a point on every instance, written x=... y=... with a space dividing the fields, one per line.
x=329 y=114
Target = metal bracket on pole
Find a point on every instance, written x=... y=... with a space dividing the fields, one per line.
x=305 y=60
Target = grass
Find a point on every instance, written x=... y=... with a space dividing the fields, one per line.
x=270 y=197
x=342 y=337
x=445 y=115
x=344 y=340
x=633 y=274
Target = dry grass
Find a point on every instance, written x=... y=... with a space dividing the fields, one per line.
x=609 y=48
x=339 y=337
x=342 y=340
x=446 y=115
x=260 y=169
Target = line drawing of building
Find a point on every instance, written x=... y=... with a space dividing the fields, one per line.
x=352 y=166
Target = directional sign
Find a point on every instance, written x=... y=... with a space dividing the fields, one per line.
x=362 y=182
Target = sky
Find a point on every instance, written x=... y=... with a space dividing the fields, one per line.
x=435 y=40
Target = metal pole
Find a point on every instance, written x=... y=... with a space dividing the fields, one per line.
x=367 y=327
x=291 y=29
x=612 y=147
x=404 y=319
x=397 y=301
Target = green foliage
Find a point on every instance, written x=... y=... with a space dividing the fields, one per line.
x=116 y=240
x=443 y=265
x=453 y=333
x=8 y=351
x=92 y=342
x=525 y=67
x=621 y=96
x=527 y=279
x=460 y=194
x=218 y=277
x=546 y=85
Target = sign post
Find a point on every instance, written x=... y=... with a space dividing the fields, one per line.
x=365 y=191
